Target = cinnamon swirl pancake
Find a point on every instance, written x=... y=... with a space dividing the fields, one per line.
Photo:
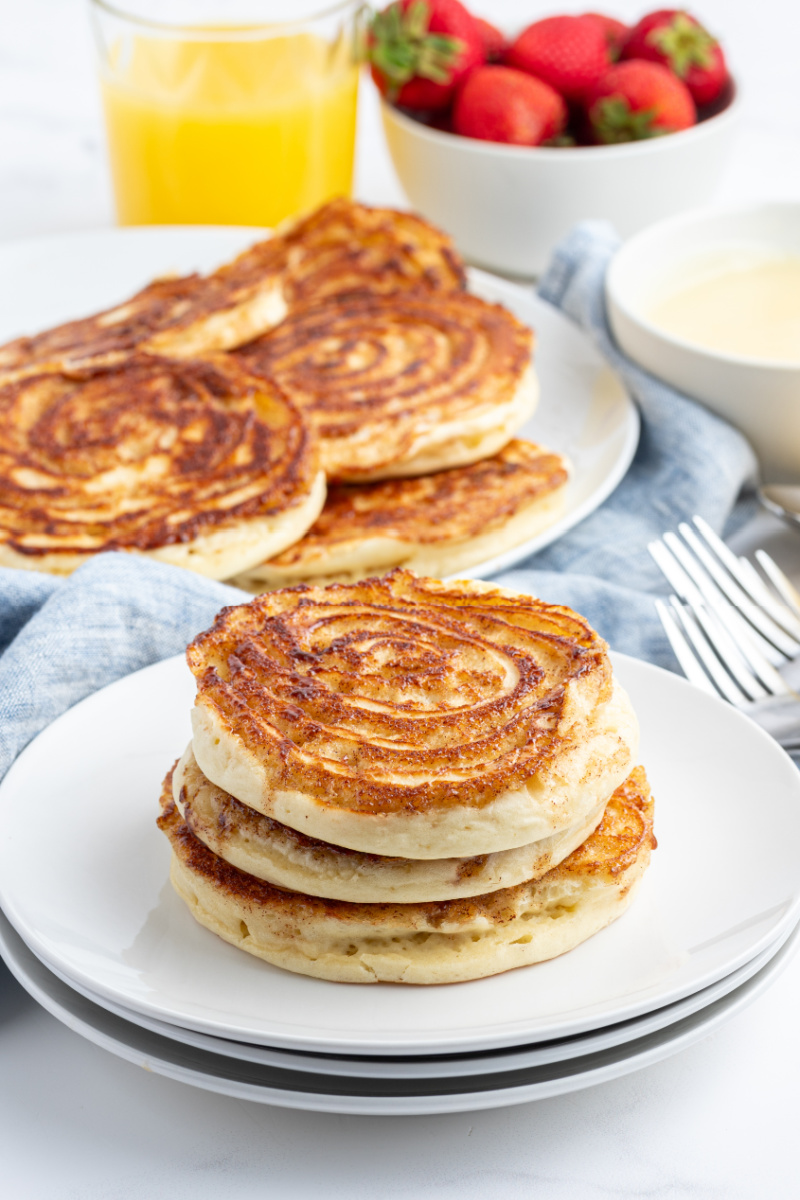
x=180 y=318
x=433 y=524
x=443 y=942
x=194 y=463
x=340 y=249
x=268 y=850
x=410 y=718
x=345 y=248
x=403 y=384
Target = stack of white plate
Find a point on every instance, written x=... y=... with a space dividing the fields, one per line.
x=94 y=932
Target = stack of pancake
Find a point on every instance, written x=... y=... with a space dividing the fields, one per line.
x=201 y=421
x=408 y=781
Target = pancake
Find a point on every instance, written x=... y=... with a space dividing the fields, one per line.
x=178 y=318
x=410 y=718
x=433 y=524
x=404 y=384
x=344 y=249
x=268 y=850
x=445 y=942
x=197 y=464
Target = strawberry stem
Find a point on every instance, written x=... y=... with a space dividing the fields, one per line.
x=402 y=48
x=684 y=43
x=615 y=121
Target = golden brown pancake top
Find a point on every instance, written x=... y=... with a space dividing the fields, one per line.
x=400 y=694
x=346 y=248
x=374 y=373
x=341 y=248
x=149 y=454
x=627 y=824
x=625 y=832
x=442 y=507
x=169 y=316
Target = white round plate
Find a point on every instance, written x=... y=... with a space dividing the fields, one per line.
x=441 y=1066
x=376 y=1096
x=584 y=412
x=84 y=879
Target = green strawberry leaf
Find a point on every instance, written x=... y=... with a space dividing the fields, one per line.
x=417 y=19
x=401 y=47
x=684 y=44
x=615 y=121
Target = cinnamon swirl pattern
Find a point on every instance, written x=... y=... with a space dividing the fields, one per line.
x=433 y=524
x=341 y=249
x=344 y=248
x=179 y=318
x=410 y=718
x=194 y=463
x=404 y=384
x=445 y=942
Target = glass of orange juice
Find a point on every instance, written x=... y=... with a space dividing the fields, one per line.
x=227 y=112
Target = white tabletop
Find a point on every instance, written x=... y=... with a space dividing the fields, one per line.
x=719 y=1120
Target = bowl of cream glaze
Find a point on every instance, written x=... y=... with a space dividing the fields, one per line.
x=710 y=302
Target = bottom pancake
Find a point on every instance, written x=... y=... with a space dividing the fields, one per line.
x=442 y=942
x=433 y=524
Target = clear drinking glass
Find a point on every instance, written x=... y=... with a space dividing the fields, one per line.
x=227 y=112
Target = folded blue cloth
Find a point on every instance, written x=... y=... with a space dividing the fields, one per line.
x=688 y=461
x=60 y=640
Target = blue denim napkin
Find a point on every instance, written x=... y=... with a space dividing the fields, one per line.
x=60 y=640
x=688 y=461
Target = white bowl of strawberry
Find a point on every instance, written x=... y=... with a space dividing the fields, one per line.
x=508 y=141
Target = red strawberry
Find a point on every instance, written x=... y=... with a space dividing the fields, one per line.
x=494 y=42
x=569 y=53
x=615 y=32
x=503 y=105
x=636 y=100
x=420 y=50
x=674 y=38
x=499 y=104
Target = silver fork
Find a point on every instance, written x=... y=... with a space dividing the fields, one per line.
x=731 y=634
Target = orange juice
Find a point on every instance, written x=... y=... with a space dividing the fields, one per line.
x=221 y=131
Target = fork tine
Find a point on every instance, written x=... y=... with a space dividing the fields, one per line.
x=782 y=585
x=734 y=590
x=730 y=654
x=761 y=594
x=674 y=572
x=708 y=658
x=755 y=648
x=683 y=651
x=750 y=580
x=723 y=552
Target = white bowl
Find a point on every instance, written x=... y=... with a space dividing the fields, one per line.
x=507 y=206
x=761 y=397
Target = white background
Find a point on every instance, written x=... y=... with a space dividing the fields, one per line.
x=52 y=158
x=719 y=1122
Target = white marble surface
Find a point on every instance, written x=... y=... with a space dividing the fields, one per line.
x=77 y=1124
x=715 y=1123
